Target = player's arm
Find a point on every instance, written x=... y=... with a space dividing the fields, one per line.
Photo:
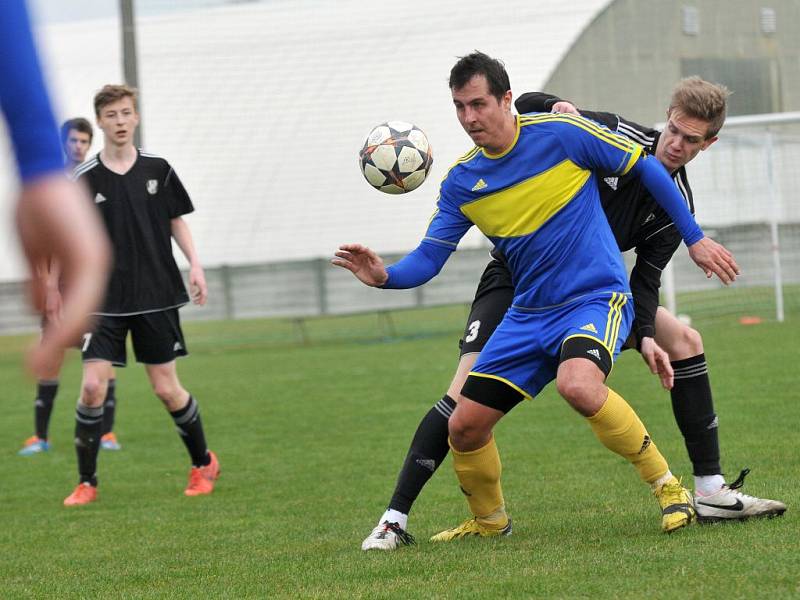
x=54 y=218
x=544 y=102
x=197 y=279
x=447 y=226
x=710 y=256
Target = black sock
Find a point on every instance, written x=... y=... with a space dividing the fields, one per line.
x=190 y=428
x=46 y=391
x=88 y=423
x=694 y=413
x=428 y=449
x=109 y=407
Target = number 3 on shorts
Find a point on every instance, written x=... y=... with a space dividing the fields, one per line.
x=473 y=331
x=87 y=338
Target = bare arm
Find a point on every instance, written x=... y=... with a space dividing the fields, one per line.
x=197 y=279
x=55 y=219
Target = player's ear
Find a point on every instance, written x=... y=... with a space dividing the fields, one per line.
x=506 y=101
x=708 y=142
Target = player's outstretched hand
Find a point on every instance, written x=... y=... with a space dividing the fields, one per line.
x=563 y=106
x=56 y=220
x=197 y=285
x=361 y=262
x=658 y=361
x=714 y=259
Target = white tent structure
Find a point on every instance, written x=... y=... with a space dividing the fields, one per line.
x=262 y=108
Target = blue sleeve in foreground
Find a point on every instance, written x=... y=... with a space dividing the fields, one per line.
x=417 y=267
x=655 y=178
x=23 y=96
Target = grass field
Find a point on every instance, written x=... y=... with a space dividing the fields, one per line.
x=310 y=439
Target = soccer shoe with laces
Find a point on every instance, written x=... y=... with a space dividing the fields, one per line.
x=109 y=442
x=731 y=504
x=34 y=445
x=83 y=494
x=472 y=528
x=387 y=536
x=201 y=479
x=677 y=509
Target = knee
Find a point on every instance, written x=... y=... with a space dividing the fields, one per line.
x=166 y=391
x=466 y=435
x=92 y=391
x=578 y=395
x=688 y=343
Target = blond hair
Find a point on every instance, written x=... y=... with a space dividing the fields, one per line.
x=111 y=93
x=703 y=100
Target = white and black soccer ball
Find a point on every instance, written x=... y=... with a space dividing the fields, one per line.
x=396 y=157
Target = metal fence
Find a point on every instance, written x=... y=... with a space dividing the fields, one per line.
x=312 y=288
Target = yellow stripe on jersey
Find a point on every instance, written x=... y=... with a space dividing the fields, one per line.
x=614 y=319
x=517 y=124
x=523 y=208
x=598 y=131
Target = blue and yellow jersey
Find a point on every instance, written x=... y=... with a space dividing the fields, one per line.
x=538 y=203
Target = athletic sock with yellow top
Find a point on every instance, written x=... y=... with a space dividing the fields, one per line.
x=478 y=474
x=618 y=427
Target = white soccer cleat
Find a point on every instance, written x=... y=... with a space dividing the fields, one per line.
x=387 y=536
x=731 y=504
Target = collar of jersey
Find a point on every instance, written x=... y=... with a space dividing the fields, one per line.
x=507 y=150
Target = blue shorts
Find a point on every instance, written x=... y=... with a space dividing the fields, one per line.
x=524 y=350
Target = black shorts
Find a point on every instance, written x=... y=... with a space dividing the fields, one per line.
x=492 y=299
x=157 y=338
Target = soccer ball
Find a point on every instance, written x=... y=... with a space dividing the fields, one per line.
x=396 y=157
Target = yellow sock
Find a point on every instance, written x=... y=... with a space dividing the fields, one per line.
x=478 y=474
x=618 y=427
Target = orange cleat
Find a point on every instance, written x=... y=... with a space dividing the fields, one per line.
x=201 y=479
x=83 y=494
x=109 y=442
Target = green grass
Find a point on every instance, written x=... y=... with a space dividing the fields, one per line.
x=310 y=439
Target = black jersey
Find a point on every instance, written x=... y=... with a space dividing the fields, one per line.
x=636 y=219
x=137 y=209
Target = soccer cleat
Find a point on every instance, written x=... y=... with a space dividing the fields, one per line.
x=387 y=536
x=471 y=528
x=109 y=442
x=731 y=504
x=83 y=494
x=34 y=445
x=201 y=479
x=676 y=505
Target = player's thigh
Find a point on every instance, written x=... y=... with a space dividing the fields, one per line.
x=595 y=329
x=515 y=364
x=465 y=364
x=157 y=337
x=493 y=298
x=106 y=341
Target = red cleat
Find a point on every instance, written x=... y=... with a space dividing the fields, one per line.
x=83 y=494
x=201 y=479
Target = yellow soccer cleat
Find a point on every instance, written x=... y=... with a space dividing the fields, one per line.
x=472 y=528
x=677 y=507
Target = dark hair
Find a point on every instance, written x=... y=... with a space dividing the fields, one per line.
x=78 y=124
x=479 y=63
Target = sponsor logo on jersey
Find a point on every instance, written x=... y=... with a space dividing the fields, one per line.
x=589 y=327
x=152 y=186
x=99 y=198
x=612 y=182
x=479 y=185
